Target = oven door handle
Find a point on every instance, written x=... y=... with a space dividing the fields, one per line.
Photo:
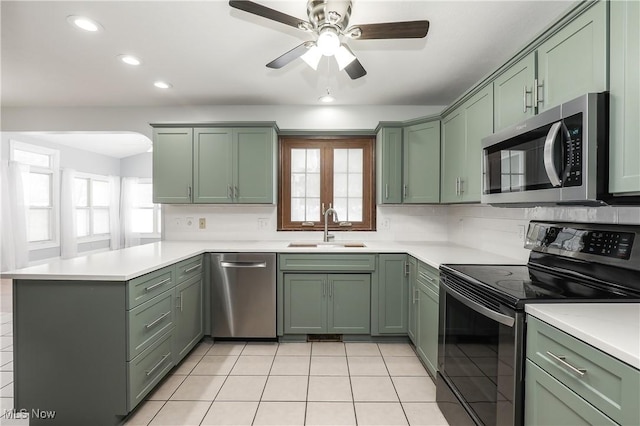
x=549 y=145
x=489 y=313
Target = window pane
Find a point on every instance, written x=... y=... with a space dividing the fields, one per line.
x=340 y=160
x=100 y=221
x=355 y=160
x=298 y=209
x=298 y=160
x=355 y=210
x=99 y=193
x=340 y=204
x=313 y=185
x=339 y=184
x=313 y=160
x=144 y=193
x=39 y=188
x=298 y=185
x=355 y=185
x=82 y=222
x=81 y=192
x=32 y=158
x=142 y=221
x=158 y=220
x=313 y=209
x=39 y=225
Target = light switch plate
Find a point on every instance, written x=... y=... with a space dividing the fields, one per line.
x=202 y=223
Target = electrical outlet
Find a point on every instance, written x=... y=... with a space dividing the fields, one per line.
x=189 y=222
x=386 y=223
x=203 y=223
x=263 y=223
x=178 y=222
x=521 y=233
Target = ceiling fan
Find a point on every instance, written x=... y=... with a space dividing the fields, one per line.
x=329 y=20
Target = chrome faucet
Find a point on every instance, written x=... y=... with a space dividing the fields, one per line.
x=328 y=237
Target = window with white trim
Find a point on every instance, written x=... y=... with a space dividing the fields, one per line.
x=41 y=191
x=91 y=194
x=147 y=216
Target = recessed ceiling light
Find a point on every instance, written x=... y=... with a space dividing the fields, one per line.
x=130 y=60
x=162 y=85
x=84 y=23
x=327 y=97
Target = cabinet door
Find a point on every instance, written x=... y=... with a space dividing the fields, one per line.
x=549 y=402
x=413 y=306
x=189 y=316
x=624 y=167
x=349 y=303
x=478 y=125
x=453 y=155
x=421 y=174
x=513 y=93
x=212 y=165
x=574 y=61
x=427 y=335
x=389 y=165
x=393 y=294
x=172 y=165
x=254 y=159
x=305 y=303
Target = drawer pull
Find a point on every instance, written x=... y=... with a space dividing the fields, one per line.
x=422 y=275
x=561 y=359
x=151 y=287
x=160 y=318
x=155 y=367
x=193 y=268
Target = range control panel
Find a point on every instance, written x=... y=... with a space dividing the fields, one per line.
x=575 y=239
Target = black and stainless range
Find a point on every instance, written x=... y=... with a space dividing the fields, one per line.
x=482 y=321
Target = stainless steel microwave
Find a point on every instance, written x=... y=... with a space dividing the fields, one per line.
x=559 y=156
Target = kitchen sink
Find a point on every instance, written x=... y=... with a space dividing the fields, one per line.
x=322 y=244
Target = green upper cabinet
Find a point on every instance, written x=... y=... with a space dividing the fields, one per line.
x=624 y=170
x=393 y=294
x=513 y=93
x=463 y=131
x=421 y=165
x=172 y=165
x=389 y=165
x=214 y=165
x=574 y=60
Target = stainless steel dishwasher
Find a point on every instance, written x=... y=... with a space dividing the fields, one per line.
x=243 y=295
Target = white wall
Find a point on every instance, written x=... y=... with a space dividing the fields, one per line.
x=140 y=165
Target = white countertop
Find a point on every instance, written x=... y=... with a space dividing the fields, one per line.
x=125 y=264
x=613 y=328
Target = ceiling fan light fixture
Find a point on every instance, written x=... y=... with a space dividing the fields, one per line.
x=327 y=98
x=312 y=57
x=343 y=57
x=328 y=41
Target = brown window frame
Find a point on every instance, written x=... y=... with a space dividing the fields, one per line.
x=326 y=144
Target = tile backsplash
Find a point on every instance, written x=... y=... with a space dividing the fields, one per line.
x=492 y=229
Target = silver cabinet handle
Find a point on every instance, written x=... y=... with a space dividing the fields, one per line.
x=230 y=191
x=155 y=367
x=457 y=186
x=151 y=287
x=180 y=305
x=243 y=264
x=189 y=191
x=324 y=288
x=525 y=92
x=561 y=359
x=481 y=309
x=414 y=296
x=423 y=275
x=537 y=99
x=461 y=186
x=404 y=191
x=386 y=191
x=156 y=321
x=330 y=289
x=549 y=145
x=193 y=268
x=236 y=192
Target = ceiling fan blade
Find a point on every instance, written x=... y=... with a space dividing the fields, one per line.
x=409 y=29
x=294 y=53
x=266 y=12
x=355 y=70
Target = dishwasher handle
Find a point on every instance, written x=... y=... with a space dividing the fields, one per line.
x=227 y=264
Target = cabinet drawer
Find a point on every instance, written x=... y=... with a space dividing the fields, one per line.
x=148 y=368
x=327 y=262
x=144 y=288
x=149 y=321
x=429 y=277
x=188 y=269
x=607 y=383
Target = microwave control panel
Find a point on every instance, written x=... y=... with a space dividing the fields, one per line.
x=573 y=155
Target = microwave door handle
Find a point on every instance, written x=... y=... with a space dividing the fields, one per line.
x=489 y=313
x=549 y=145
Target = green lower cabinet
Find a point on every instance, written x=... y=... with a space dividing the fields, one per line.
x=427 y=332
x=189 y=316
x=549 y=402
x=412 y=325
x=393 y=294
x=327 y=303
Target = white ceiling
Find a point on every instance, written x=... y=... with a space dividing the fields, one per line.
x=216 y=55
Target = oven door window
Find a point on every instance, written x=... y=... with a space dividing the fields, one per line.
x=478 y=362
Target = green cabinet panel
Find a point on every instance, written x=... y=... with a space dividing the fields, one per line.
x=349 y=303
x=574 y=60
x=453 y=155
x=624 y=167
x=189 y=316
x=325 y=262
x=421 y=165
x=172 y=165
x=427 y=333
x=389 y=165
x=212 y=165
x=254 y=165
x=393 y=294
x=513 y=93
x=412 y=324
x=147 y=322
x=549 y=402
x=305 y=306
x=148 y=369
